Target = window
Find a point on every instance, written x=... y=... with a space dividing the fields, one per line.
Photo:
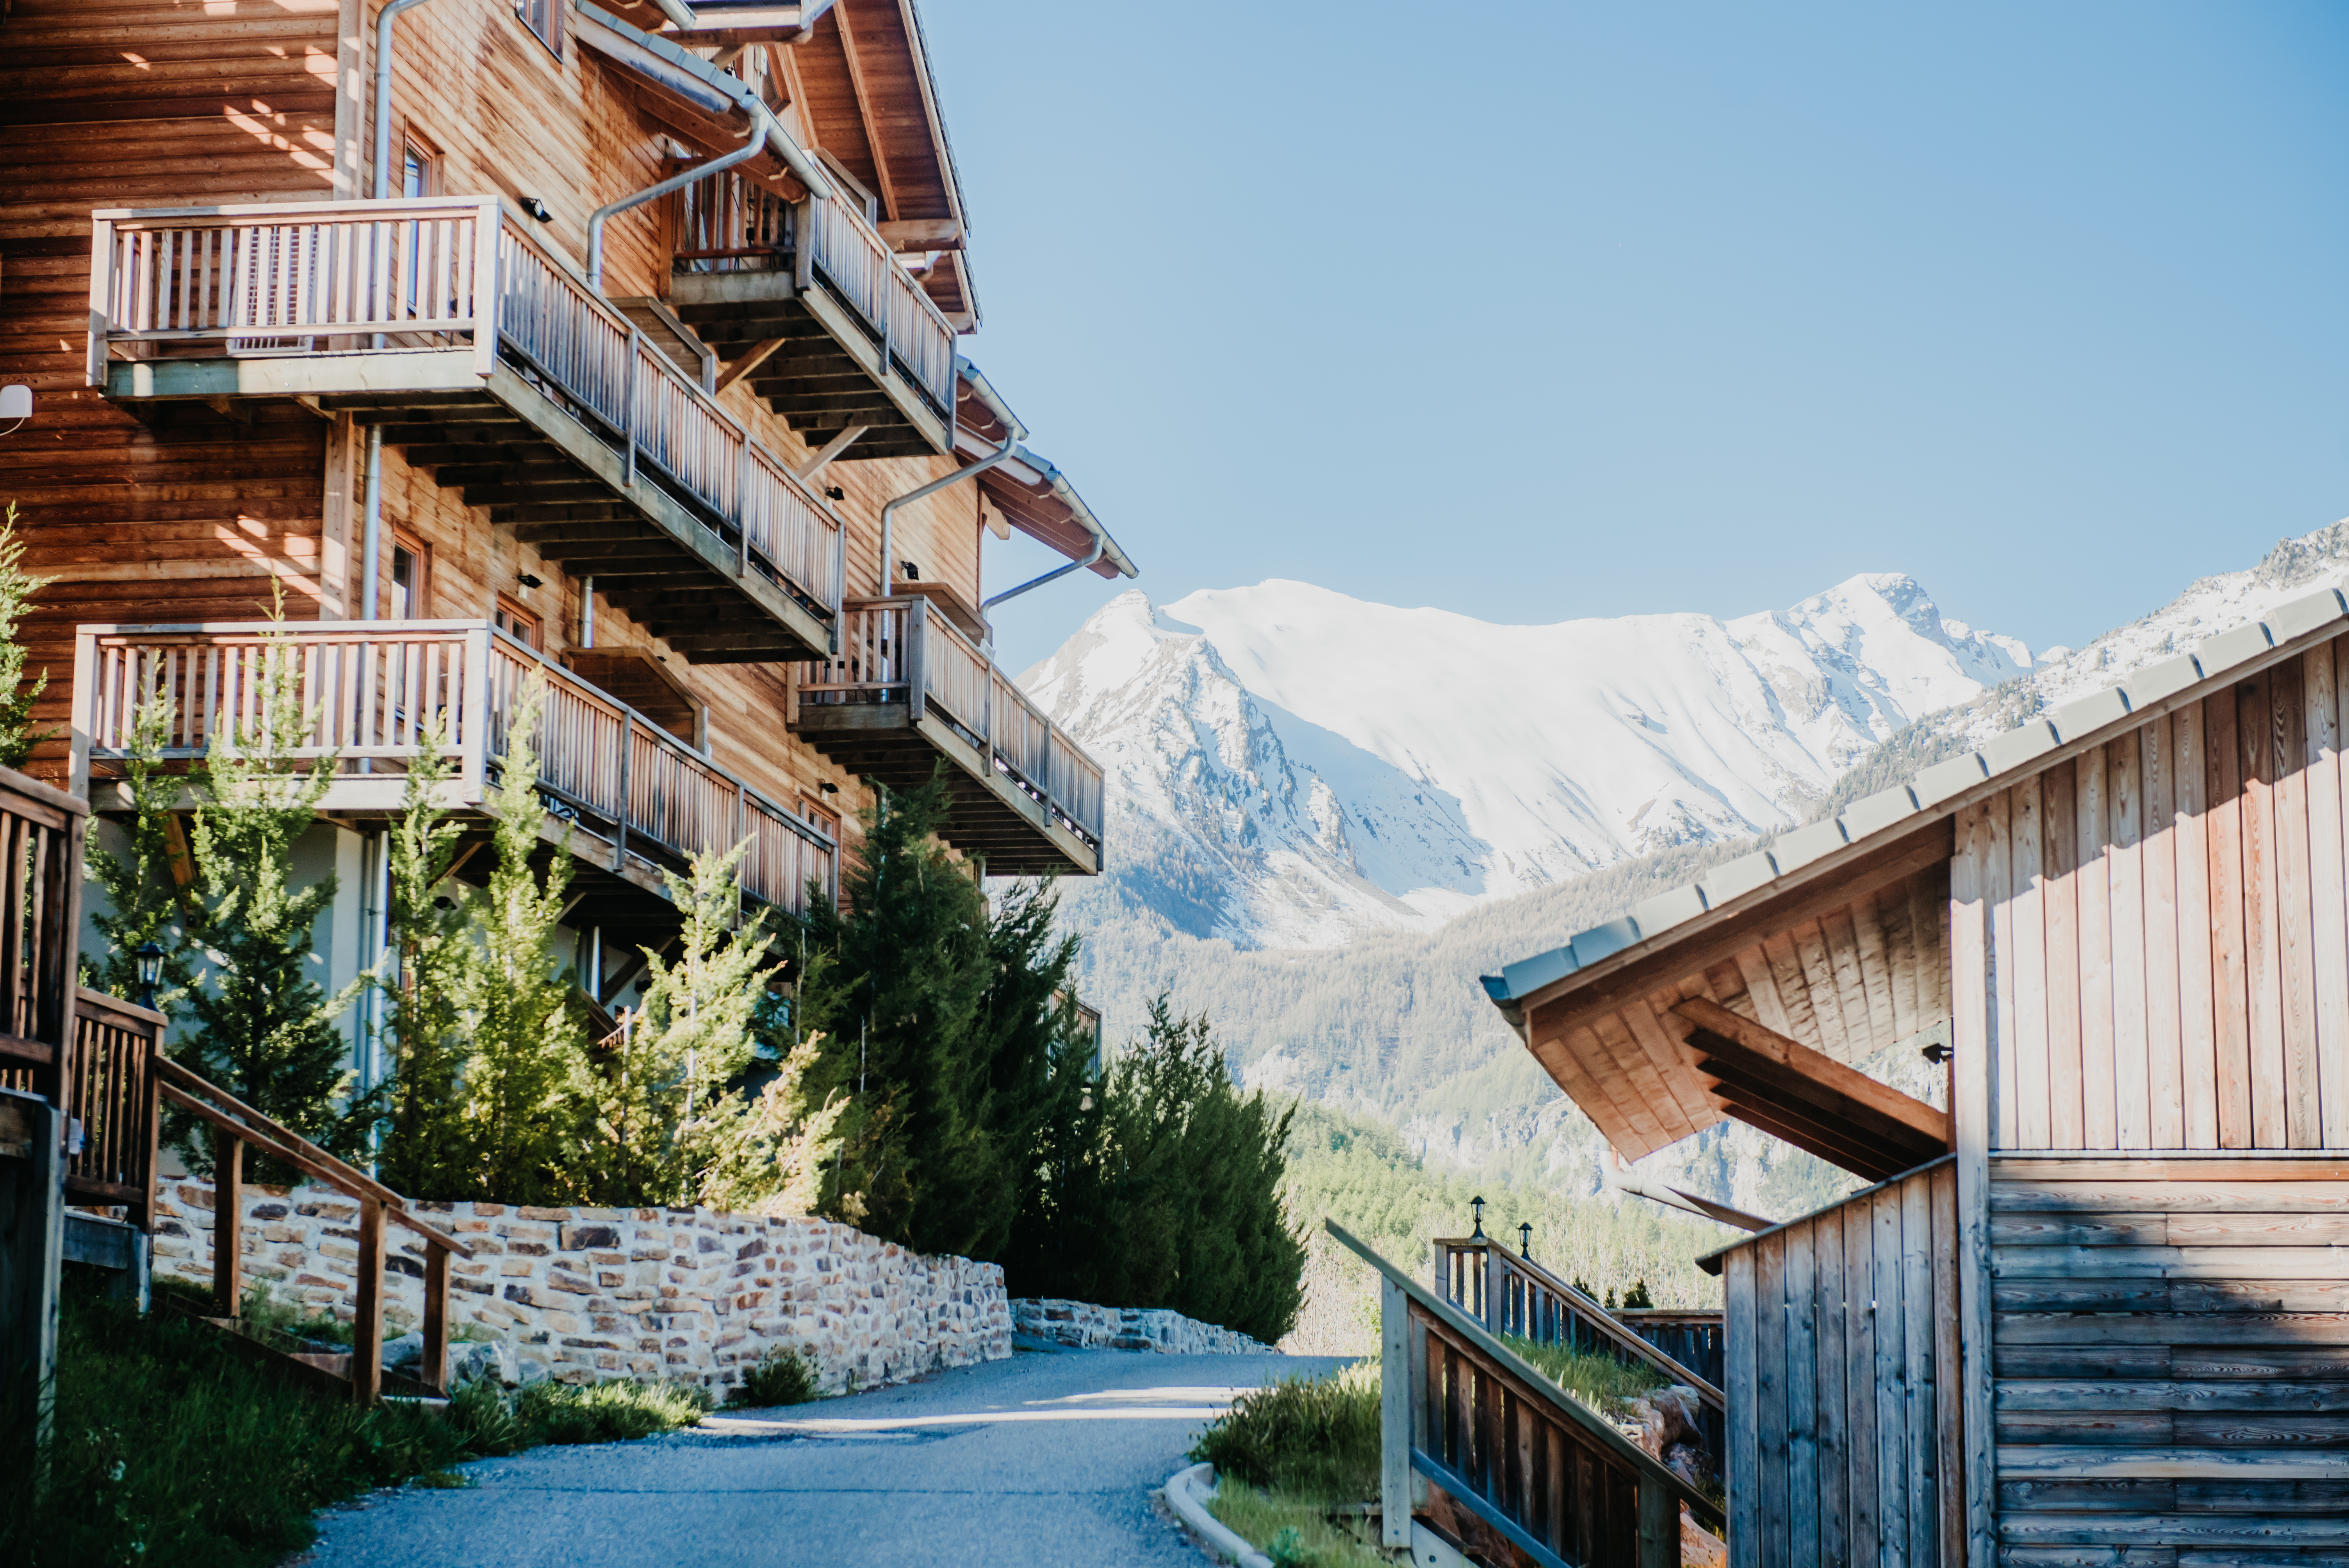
x=411 y=577
x=517 y=622
x=420 y=170
x=823 y=821
x=543 y=18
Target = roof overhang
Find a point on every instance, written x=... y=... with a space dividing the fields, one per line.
x=1033 y=496
x=1835 y=939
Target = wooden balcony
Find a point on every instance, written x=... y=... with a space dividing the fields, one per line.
x=623 y=796
x=908 y=689
x=487 y=359
x=811 y=303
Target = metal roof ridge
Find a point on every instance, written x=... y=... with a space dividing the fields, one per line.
x=1934 y=791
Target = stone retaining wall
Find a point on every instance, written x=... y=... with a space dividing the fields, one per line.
x=588 y=1295
x=1082 y=1324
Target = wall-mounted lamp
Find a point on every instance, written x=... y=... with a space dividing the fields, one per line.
x=834 y=492
x=913 y=572
x=16 y=407
x=527 y=581
x=828 y=788
x=148 y=956
x=538 y=209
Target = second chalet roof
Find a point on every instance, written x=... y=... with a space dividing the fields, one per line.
x=1035 y=496
x=1835 y=939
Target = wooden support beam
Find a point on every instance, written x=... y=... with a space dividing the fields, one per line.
x=848 y=49
x=1774 y=1085
x=1824 y=1070
x=738 y=368
x=367 y=1321
x=228 y=1223
x=830 y=451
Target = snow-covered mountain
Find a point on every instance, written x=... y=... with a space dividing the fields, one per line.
x=1288 y=766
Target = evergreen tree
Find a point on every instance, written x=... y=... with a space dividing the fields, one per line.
x=1170 y=1195
x=141 y=902
x=17 y=587
x=523 y=1086
x=908 y=978
x=666 y=1116
x=422 y=1148
x=265 y=1029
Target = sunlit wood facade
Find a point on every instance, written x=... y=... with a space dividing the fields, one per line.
x=649 y=456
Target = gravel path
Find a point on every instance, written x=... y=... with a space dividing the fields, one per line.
x=1045 y=1459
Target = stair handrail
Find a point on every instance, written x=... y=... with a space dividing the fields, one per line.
x=1401 y=1456
x=1605 y=1321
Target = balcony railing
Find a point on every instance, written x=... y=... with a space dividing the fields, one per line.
x=728 y=224
x=889 y=648
x=417 y=278
x=374 y=691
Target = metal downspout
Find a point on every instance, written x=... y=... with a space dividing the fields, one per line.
x=889 y=511
x=751 y=149
x=371 y=539
x=1101 y=546
x=383 y=19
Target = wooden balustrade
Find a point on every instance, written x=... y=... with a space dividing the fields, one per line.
x=422 y=277
x=40 y=912
x=851 y=255
x=1480 y=1448
x=374 y=692
x=891 y=648
x=237 y=1126
x=110 y=1094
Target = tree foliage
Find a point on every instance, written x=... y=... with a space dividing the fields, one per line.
x=17 y=587
x=141 y=902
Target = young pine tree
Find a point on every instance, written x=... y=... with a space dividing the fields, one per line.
x=907 y=978
x=141 y=902
x=17 y=587
x=423 y=1141
x=524 y=1077
x=264 y=1029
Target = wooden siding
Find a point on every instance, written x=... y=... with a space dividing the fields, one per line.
x=1843 y=1399
x=2172 y=1360
x=2171 y=929
x=186 y=512
x=1859 y=977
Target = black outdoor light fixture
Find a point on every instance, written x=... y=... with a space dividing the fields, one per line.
x=527 y=581
x=1479 y=1204
x=829 y=787
x=1524 y=1238
x=149 y=956
x=538 y=209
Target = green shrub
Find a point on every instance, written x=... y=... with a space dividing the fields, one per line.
x=1593 y=1377
x=779 y=1377
x=497 y=1422
x=1318 y=1437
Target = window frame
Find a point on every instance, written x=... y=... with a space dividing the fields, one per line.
x=511 y=613
x=557 y=28
x=419 y=594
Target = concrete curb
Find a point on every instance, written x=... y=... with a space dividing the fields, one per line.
x=1186 y=1493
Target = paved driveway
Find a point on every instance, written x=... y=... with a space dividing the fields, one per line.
x=1045 y=1459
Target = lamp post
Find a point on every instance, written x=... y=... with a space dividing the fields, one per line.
x=149 y=955
x=1479 y=1204
x=1526 y=1239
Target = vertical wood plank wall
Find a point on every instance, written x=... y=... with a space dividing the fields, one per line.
x=2171 y=921
x=1843 y=1398
x=2172 y=1363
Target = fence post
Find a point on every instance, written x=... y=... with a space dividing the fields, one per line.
x=434 y=1370
x=473 y=716
x=629 y=408
x=1659 y=1526
x=1394 y=1414
x=1496 y=1289
x=743 y=507
x=367 y=1321
x=620 y=814
x=101 y=299
x=228 y=1222
x=488 y=302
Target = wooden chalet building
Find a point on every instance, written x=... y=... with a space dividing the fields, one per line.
x=618 y=343
x=2096 y=1309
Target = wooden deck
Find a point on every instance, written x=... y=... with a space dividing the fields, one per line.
x=908 y=689
x=624 y=797
x=483 y=355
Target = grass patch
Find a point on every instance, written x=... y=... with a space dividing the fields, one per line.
x=1599 y=1380
x=1318 y=1438
x=1296 y=1531
x=172 y=1447
x=780 y=1377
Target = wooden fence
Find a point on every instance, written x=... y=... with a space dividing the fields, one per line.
x=236 y=1125
x=111 y=1086
x=1494 y=1457
x=40 y=912
x=375 y=692
x=1843 y=1383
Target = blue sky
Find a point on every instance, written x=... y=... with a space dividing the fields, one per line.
x=1534 y=311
